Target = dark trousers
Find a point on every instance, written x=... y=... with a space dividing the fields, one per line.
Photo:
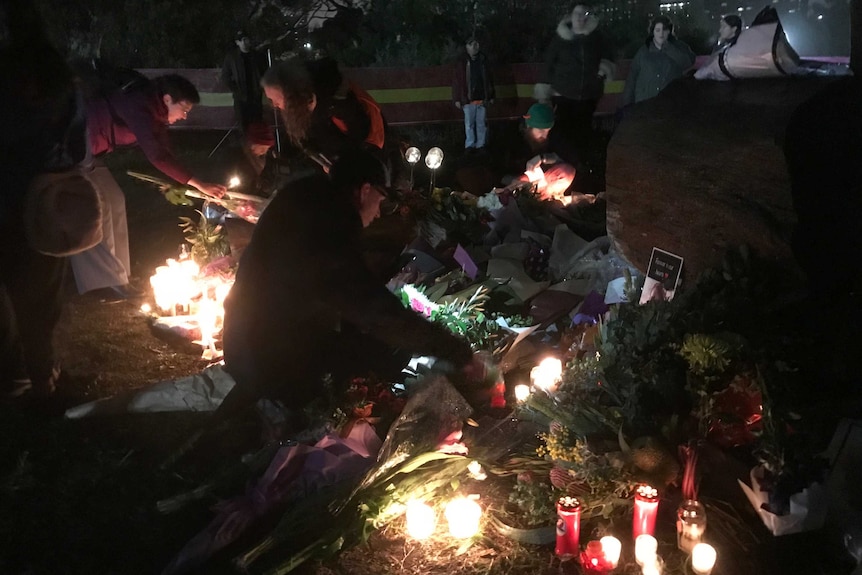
x=574 y=120
x=31 y=302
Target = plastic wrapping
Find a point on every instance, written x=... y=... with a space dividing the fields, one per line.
x=434 y=413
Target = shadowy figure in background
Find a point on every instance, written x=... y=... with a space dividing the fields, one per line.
x=577 y=63
x=304 y=303
x=137 y=116
x=661 y=60
x=324 y=113
x=47 y=209
x=241 y=72
x=472 y=91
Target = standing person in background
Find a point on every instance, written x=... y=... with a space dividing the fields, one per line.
x=577 y=62
x=138 y=116
x=729 y=29
x=659 y=61
x=472 y=88
x=241 y=72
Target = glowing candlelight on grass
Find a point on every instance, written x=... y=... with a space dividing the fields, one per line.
x=174 y=285
x=476 y=471
x=690 y=524
x=703 y=558
x=611 y=548
x=522 y=392
x=421 y=520
x=646 y=509
x=234 y=182
x=547 y=374
x=646 y=548
x=463 y=515
x=568 y=527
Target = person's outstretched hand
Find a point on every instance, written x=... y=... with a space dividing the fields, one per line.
x=207 y=188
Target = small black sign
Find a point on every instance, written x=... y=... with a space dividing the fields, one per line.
x=665 y=268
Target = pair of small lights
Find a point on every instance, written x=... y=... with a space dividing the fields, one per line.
x=433 y=159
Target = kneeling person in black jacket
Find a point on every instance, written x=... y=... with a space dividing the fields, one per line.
x=305 y=304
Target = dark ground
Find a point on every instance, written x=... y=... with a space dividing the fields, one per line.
x=79 y=497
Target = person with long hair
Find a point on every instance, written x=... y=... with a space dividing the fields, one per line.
x=660 y=60
x=729 y=29
x=324 y=113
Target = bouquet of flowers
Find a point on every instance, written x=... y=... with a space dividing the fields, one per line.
x=244 y=206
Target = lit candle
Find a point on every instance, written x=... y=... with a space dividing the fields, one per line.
x=611 y=548
x=421 y=520
x=547 y=374
x=646 y=548
x=654 y=567
x=568 y=527
x=522 y=392
x=690 y=524
x=234 y=182
x=463 y=515
x=703 y=559
x=646 y=509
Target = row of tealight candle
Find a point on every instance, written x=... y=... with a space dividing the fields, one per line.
x=603 y=556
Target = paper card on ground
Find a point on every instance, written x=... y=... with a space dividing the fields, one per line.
x=466 y=262
x=662 y=276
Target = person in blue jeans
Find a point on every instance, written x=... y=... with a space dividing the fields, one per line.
x=472 y=90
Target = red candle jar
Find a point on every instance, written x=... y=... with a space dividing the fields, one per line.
x=646 y=509
x=593 y=559
x=568 y=527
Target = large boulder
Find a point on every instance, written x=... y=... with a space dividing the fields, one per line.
x=700 y=168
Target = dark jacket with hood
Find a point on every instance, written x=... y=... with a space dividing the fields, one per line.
x=652 y=69
x=300 y=277
x=463 y=90
x=573 y=61
x=241 y=74
x=139 y=117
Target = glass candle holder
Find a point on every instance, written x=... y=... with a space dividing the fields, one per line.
x=568 y=527
x=646 y=509
x=690 y=524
